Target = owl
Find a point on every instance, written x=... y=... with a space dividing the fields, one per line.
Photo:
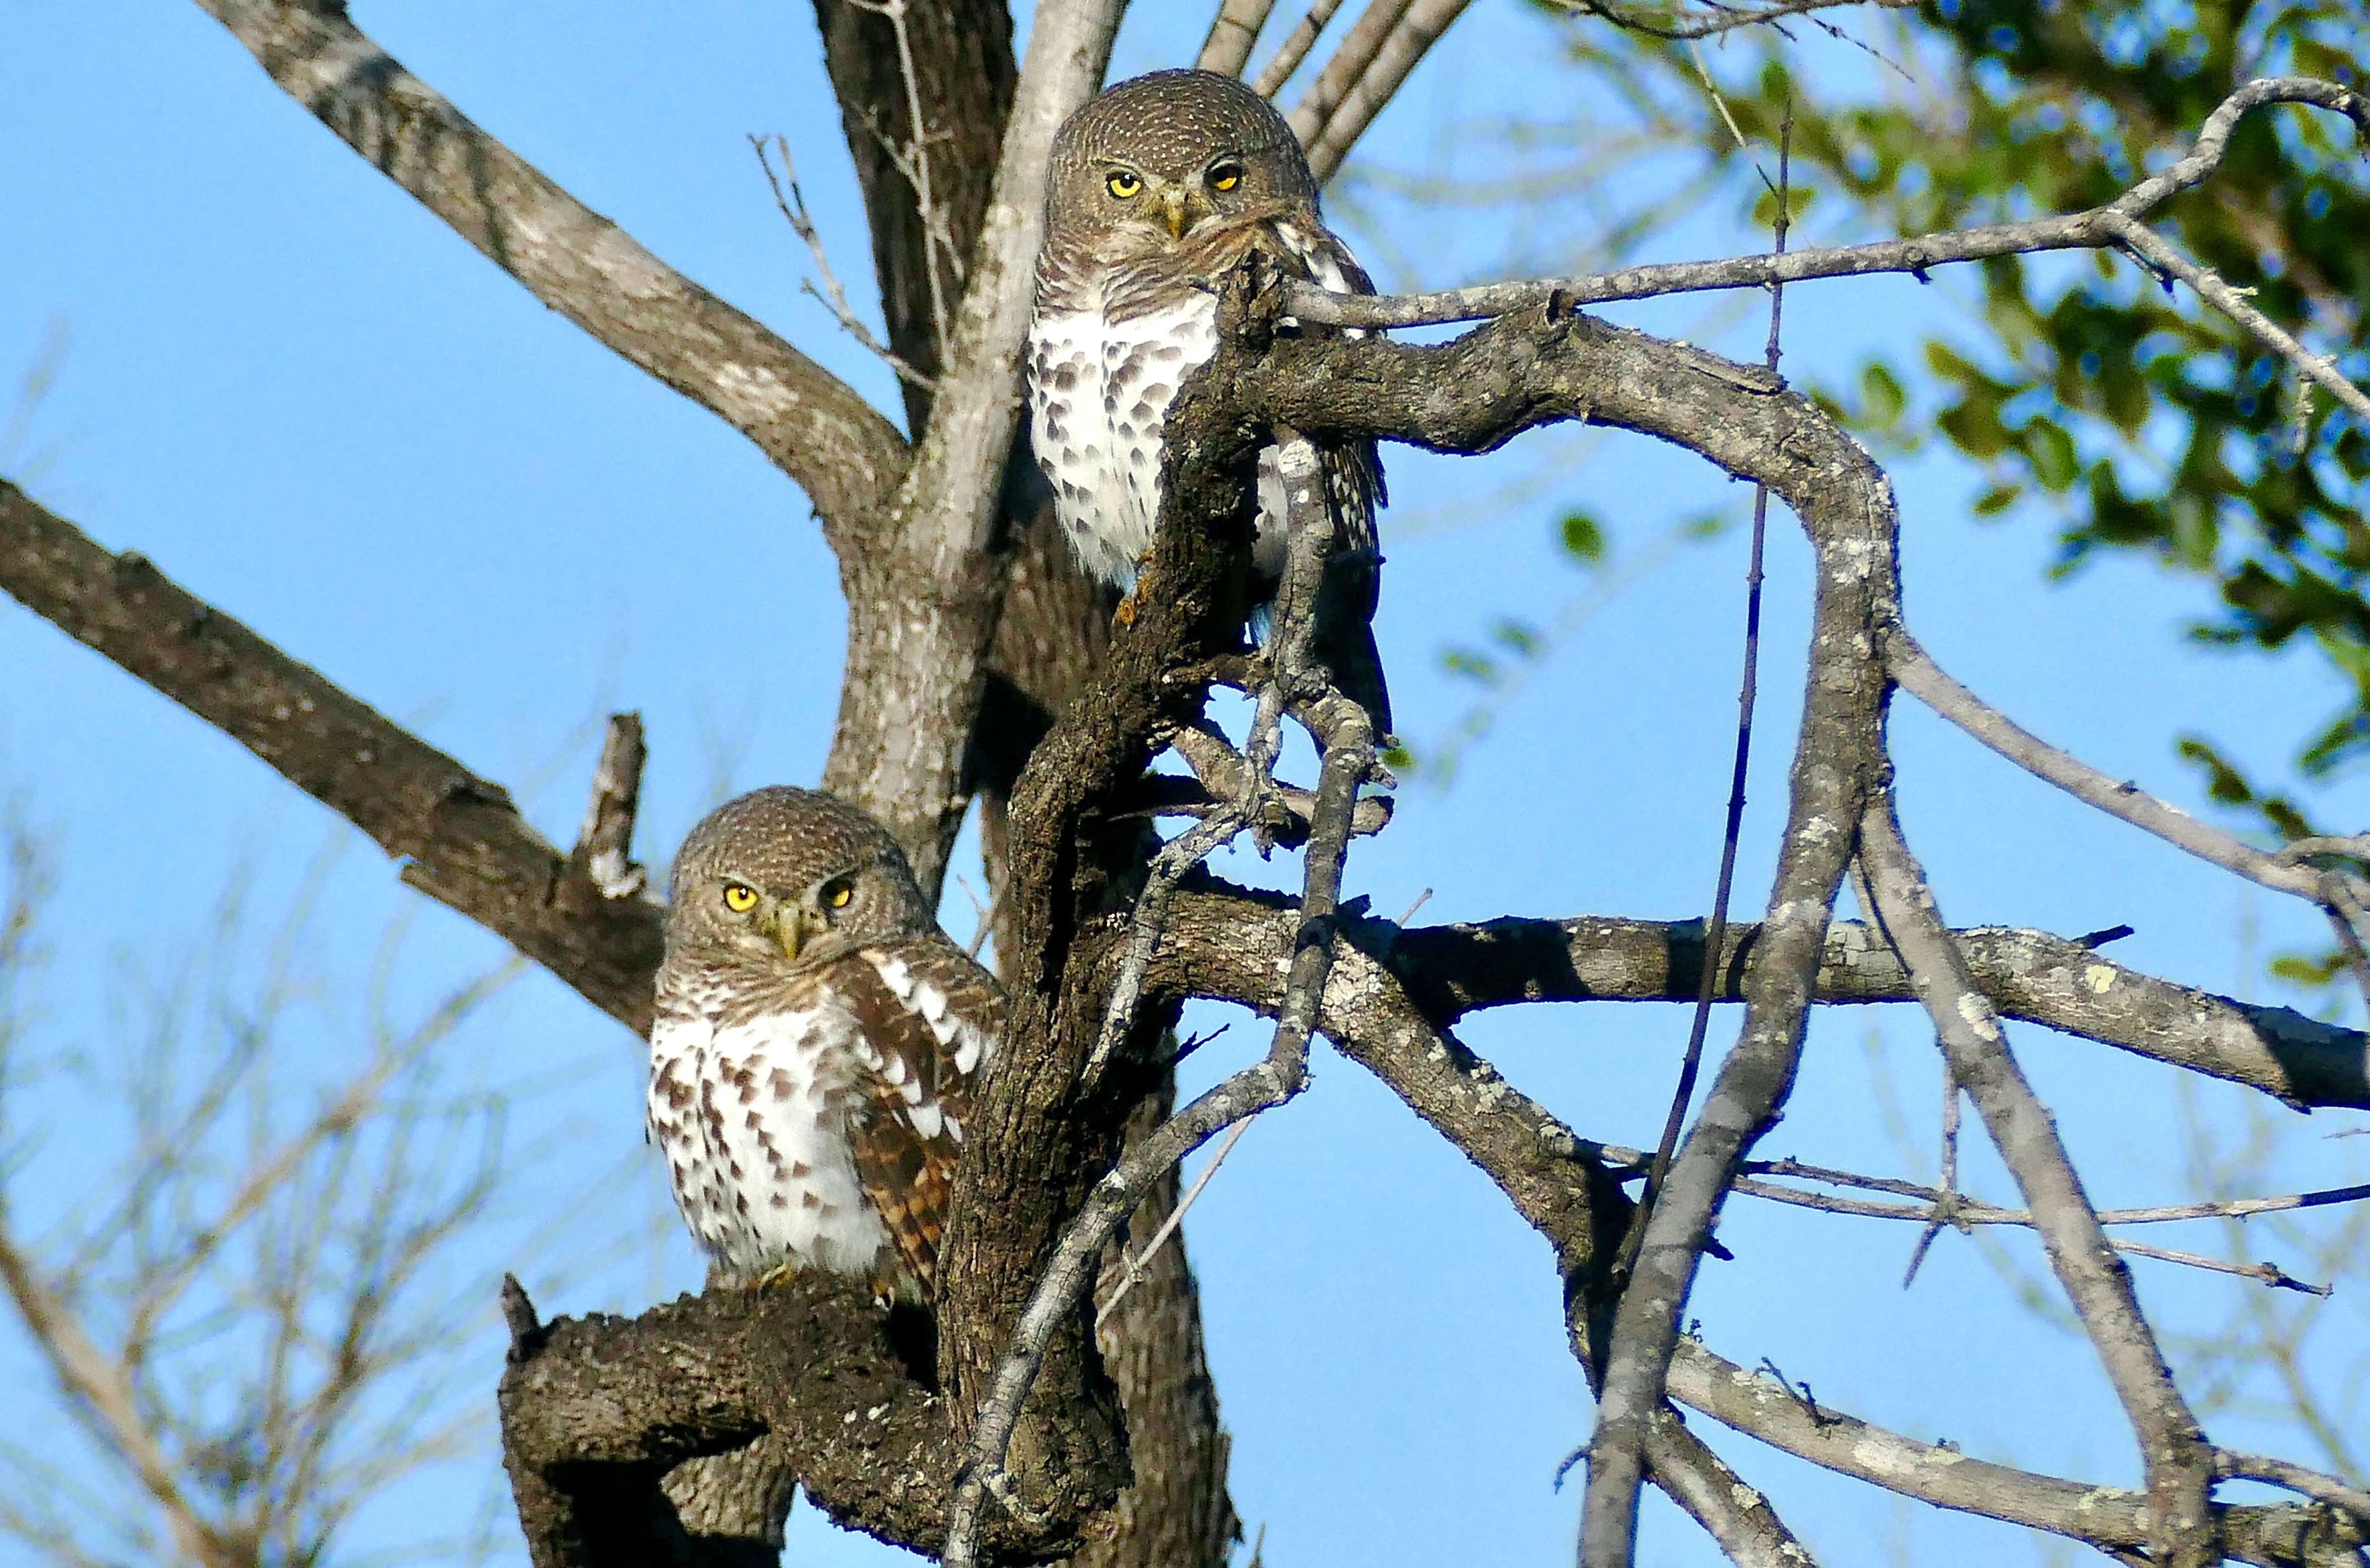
x=1159 y=188
x=817 y=1043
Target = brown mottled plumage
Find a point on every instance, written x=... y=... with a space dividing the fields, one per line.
x=1157 y=188
x=817 y=1043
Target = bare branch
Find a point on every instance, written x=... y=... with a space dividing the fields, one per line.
x=792 y=205
x=922 y=610
x=2029 y=975
x=1411 y=39
x=2296 y=1478
x=1839 y=764
x=2231 y=302
x=842 y=452
x=1357 y=50
x=604 y=845
x=2179 y=1465
x=2091 y=230
x=1345 y=733
x=462 y=841
x=1295 y=48
x=1234 y=32
x=100 y=1384
x=2107 y=1517
x=1922 y=679
x=1553 y=1179
x=1717 y=18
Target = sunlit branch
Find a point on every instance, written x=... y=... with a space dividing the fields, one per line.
x=2098 y=228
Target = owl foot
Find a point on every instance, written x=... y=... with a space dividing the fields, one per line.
x=779 y=1275
x=1125 y=614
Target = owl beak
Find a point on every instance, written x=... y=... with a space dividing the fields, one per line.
x=1172 y=210
x=790 y=931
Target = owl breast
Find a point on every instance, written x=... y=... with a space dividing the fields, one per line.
x=1100 y=389
x=752 y=1116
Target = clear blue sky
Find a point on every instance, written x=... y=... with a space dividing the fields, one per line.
x=317 y=409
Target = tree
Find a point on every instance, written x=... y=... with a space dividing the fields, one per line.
x=977 y=670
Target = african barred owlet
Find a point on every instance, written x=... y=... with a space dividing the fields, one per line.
x=1159 y=189
x=817 y=1043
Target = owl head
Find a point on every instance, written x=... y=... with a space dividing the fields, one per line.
x=1155 y=157
x=789 y=876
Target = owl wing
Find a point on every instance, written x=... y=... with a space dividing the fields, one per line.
x=929 y=1019
x=1353 y=473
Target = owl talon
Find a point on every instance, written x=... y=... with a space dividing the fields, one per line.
x=1125 y=614
x=774 y=1277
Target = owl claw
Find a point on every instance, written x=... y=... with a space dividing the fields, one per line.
x=779 y=1275
x=1125 y=614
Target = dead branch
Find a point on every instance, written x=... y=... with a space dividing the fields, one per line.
x=2095 y=229
x=1295 y=48
x=1234 y=32
x=1356 y=50
x=604 y=845
x=1409 y=39
x=1919 y=676
x=840 y=452
x=462 y=841
x=1710 y=21
x=2180 y=1465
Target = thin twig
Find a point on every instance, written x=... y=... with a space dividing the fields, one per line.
x=1748 y=688
x=1948 y=1205
x=2232 y=304
x=1133 y=1266
x=1175 y=858
x=793 y=207
x=1721 y=18
x=2090 y=230
x=2232 y=1464
x=914 y=164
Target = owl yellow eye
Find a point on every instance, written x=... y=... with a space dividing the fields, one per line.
x=836 y=893
x=1124 y=185
x=1226 y=176
x=739 y=898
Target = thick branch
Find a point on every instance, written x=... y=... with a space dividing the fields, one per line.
x=837 y=448
x=464 y=841
x=2028 y=974
x=1226 y=944
x=923 y=605
x=598 y=1408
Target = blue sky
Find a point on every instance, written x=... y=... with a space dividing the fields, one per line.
x=315 y=407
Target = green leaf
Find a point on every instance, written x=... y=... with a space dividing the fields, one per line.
x=1582 y=538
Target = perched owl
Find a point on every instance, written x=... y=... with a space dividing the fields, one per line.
x=1159 y=188
x=817 y=1043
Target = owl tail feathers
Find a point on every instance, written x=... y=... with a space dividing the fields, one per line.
x=1345 y=633
x=1349 y=651
x=1345 y=640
